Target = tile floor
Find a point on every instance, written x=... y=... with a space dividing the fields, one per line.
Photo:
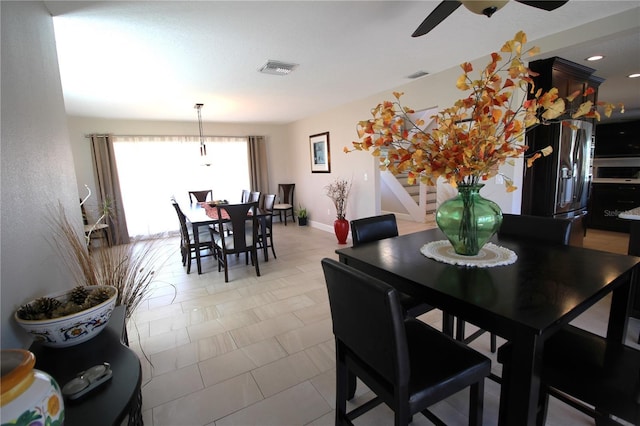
x=259 y=350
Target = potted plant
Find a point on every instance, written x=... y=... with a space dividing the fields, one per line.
x=302 y=216
x=123 y=274
x=338 y=191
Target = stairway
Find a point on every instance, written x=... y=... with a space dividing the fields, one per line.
x=419 y=200
x=414 y=192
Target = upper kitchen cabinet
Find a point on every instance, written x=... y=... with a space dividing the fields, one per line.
x=567 y=77
x=620 y=139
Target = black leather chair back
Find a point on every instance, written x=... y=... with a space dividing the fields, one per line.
x=373 y=228
x=408 y=364
x=368 y=320
x=539 y=228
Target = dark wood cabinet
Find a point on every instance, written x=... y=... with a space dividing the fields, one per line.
x=619 y=139
x=558 y=184
x=608 y=200
x=566 y=76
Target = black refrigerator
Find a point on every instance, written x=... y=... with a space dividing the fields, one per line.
x=558 y=185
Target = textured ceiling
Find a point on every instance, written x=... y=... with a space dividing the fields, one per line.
x=155 y=60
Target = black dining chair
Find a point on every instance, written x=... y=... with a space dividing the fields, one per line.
x=598 y=377
x=408 y=364
x=538 y=228
x=244 y=238
x=535 y=228
x=200 y=196
x=244 y=198
x=254 y=196
x=376 y=228
x=265 y=236
x=188 y=245
x=285 y=205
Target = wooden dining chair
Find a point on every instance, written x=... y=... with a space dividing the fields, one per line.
x=244 y=238
x=254 y=196
x=376 y=228
x=285 y=206
x=200 y=196
x=265 y=237
x=406 y=363
x=244 y=198
x=188 y=246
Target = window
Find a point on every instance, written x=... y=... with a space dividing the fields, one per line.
x=152 y=169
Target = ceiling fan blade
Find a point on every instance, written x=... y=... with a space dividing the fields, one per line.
x=438 y=15
x=545 y=5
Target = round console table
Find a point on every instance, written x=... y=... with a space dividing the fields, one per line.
x=114 y=400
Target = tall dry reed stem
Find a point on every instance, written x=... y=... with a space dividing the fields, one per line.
x=131 y=268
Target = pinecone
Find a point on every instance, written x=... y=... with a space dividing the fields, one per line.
x=78 y=295
x=46 y=305
x=97 y=296
x=27 y=312
x=68 y=308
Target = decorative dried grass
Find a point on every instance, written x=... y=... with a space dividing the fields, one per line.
x=131 y=268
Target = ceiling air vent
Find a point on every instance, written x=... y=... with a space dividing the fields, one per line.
x=417 y=74
x=277 y=67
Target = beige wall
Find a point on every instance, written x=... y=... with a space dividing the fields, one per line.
x=37 y=164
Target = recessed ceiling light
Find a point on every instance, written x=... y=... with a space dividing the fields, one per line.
x=595 y=58
x=636 y=75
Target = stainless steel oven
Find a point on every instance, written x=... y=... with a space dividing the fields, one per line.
x=616 y=170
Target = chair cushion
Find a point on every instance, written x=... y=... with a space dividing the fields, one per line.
x=438 y=364
x=228 y=240
x=282 y=206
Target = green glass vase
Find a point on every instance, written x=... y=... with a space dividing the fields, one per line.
x=468 y=220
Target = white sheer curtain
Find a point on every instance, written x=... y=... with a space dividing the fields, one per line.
x=152 y=169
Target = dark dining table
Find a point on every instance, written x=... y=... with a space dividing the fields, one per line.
x=199 y=214
x=524 y=302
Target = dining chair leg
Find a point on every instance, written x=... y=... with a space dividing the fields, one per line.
x=342 y=385
x=273 y=250
x=476 y=403
x=254 y=260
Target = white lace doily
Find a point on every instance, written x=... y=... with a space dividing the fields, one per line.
x=489 y=255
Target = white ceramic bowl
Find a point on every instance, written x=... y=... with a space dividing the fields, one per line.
x=71 y=329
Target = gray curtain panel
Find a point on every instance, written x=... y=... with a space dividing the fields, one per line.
x=108 y=185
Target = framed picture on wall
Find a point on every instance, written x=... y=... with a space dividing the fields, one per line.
x=320 y=158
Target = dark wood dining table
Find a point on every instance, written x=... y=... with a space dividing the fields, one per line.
x=203 y=214
x=525 y=302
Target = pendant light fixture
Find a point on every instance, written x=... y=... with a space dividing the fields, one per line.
x=203 y=146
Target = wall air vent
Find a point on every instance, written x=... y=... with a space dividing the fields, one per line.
x=277 y=68
x=417 y=74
